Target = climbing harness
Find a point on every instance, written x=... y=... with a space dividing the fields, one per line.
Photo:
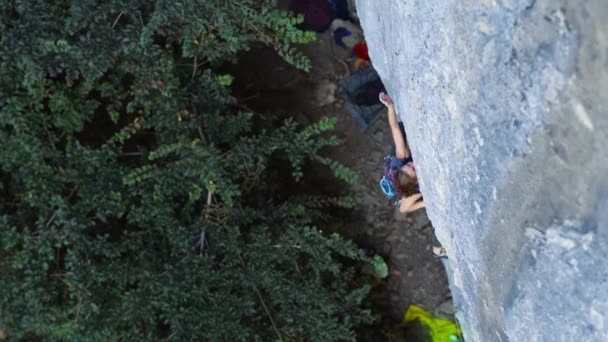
x=387 y=187
x=386 y=184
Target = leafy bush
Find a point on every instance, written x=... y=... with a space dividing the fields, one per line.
x=138 y=201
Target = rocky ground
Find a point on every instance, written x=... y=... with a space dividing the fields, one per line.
x=416 y=277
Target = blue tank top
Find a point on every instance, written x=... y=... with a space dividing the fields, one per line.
x=393 y=164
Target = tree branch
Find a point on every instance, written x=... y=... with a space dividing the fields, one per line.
x=201 y=241
x=118 y=18
x=274 y=326
x=195 y=67
x=48 y=223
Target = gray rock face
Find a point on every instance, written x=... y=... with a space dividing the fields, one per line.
x=504 y=103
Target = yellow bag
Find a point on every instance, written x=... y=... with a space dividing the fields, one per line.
x=441 y=330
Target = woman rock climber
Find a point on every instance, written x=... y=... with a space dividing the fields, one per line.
x=400 y=173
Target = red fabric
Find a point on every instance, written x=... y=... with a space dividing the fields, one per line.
x=360 y=51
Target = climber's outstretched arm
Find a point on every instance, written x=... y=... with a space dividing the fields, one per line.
x=401 y=150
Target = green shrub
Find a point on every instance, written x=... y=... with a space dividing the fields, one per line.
x=138 y=202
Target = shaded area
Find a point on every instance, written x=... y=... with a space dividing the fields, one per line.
x=265 y=83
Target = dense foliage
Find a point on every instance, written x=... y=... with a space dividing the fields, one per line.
x=139 y=201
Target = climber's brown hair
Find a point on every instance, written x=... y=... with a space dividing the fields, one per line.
x=405 y=184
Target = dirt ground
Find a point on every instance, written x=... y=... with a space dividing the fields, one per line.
x=416 y=277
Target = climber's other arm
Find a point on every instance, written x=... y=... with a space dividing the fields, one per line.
x=411 y=203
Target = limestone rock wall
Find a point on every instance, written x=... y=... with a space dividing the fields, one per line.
x=504 y=103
